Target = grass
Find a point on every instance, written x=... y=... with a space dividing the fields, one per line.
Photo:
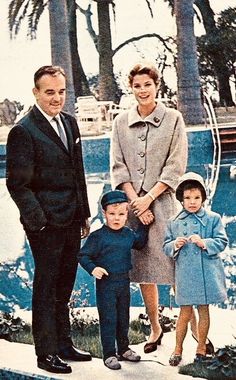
x=86 y=338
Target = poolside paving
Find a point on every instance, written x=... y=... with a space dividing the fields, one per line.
x=18 y=361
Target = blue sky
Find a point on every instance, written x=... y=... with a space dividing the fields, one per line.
x=21 y=57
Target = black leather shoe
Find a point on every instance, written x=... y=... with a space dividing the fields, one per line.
x=150 y=347
x=52 y=363
x=72 y=353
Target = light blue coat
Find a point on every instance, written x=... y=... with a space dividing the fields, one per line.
x=199 y=274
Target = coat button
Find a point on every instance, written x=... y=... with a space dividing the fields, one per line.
x=142 y=154
x=185 y=232
x=185 y=223
x=156 y=119
x=143 y=137
x=141 y=170
x=195 y=222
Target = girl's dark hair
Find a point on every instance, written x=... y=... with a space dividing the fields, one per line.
x=191 y=184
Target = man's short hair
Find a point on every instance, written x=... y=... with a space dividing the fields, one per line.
x=47 y=70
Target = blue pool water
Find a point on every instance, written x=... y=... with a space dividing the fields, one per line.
x=16 y=271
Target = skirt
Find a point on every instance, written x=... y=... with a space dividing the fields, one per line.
x=150 y=264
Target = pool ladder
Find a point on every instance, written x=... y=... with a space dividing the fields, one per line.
x=214 y=168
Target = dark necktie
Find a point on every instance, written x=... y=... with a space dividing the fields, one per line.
x=61 y=132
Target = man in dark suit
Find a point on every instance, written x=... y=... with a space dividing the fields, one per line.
x=45 y=177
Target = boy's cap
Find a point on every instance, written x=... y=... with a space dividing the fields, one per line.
x=113 y=196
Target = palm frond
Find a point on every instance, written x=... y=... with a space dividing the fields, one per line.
x=18 y=10
x=38 y=7
x=170 y=5
x=14 y=16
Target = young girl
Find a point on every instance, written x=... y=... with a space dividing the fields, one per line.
x=194 y=239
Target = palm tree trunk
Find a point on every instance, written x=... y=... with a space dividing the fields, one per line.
x=189 y=91
x=107 y=85
x=81 y=85
x=60 y=47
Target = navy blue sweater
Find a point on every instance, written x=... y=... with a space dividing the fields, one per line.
x=111 y=249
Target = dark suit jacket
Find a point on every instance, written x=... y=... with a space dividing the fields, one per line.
x=46 y=181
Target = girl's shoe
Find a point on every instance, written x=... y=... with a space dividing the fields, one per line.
x=150 y=347
x=209 y=346
x=175 y=360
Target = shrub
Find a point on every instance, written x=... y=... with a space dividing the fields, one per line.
x=220 y=367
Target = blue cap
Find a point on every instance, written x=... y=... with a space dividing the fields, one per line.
x=113 y=196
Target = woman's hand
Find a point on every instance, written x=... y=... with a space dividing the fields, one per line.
x=140 y=204
x=147 y=217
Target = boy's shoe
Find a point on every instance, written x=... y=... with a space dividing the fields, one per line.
x=112 y=363
x=130 y=356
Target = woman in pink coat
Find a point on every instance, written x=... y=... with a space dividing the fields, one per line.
x=148 y=156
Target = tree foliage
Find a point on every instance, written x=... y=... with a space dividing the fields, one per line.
x=217 y=53
x=216 y=49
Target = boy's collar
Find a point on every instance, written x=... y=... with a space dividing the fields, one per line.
x=111 y=229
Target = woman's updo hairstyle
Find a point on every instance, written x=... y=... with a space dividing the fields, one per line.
x=145 y=68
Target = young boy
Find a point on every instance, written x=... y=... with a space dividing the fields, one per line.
x=107 y=256
x=194 y=239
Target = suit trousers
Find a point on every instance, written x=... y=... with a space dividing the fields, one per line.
x=55 y=257
x=113 y=302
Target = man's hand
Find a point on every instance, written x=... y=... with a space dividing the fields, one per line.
x=85 y=228
x=98 y=272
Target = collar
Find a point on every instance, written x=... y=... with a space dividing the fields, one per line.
x=49 y=118
x=198 y=215
x=106 y=227
x=154 y=118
